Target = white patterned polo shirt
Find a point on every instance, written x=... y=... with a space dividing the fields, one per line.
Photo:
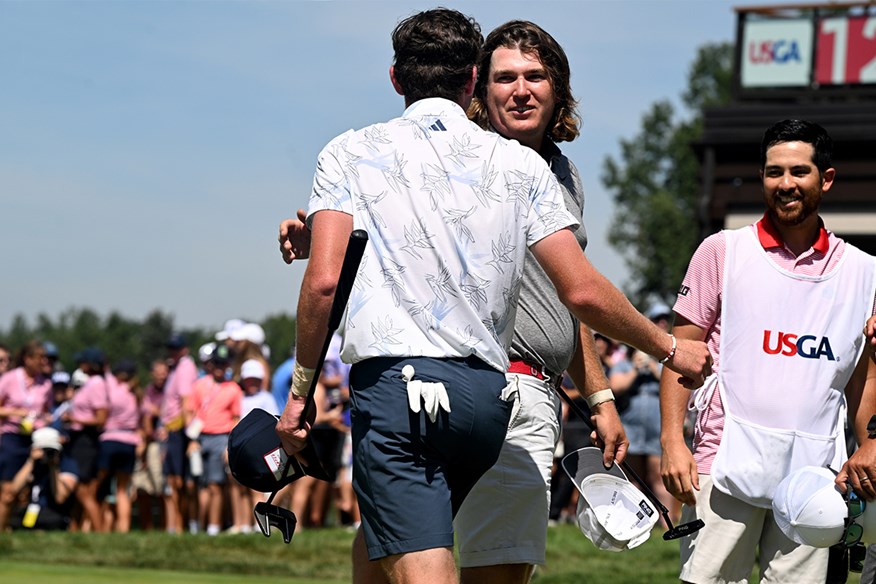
x=450 y=210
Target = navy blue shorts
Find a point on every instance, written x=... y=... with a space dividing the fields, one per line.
x=116 y=457
x=14 y=451
x=175 y=460
x=410 y=474
x=84 y=449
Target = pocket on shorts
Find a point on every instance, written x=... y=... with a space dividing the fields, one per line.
x=511 y=394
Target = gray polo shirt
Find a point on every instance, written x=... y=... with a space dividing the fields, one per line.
x=545 y=332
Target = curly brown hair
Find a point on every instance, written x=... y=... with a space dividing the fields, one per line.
x=531 y=39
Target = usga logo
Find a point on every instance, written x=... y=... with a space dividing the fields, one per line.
x=808 y=346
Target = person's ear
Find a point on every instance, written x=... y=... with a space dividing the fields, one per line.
x=395 y=84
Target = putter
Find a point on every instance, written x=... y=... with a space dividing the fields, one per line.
x=674 y=531
x=306 y=462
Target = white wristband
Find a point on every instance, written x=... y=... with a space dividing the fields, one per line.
x=671 y=351
x=600 y=397
x=302 y=379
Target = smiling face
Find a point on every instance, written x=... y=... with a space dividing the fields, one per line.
x=519 y=97
x=792 y=185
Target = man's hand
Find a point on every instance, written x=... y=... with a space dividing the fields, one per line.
x=679 y=472
x=693 y=361
x=609 y=434
x=870 y=330
x=860 y=470
x=292 y=437
x=294 y=238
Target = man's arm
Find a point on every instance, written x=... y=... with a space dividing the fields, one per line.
x=331 y=233
x=677 y=466
x=596 y=302
x=861 y=397
x=587 y=375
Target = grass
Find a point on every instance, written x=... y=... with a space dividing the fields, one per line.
x=314 y=557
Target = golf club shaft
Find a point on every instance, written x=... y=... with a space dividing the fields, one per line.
x=352 y=258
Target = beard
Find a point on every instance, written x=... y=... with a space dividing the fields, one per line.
x=808 y=207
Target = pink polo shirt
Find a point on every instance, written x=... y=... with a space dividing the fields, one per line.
x=150 y=406
x=178 y=387
x=699 y=301
x=123 y=420
x=17 y=392
x=217 y=405
x=92 y=396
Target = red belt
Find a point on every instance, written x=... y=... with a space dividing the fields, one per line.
x=529 y=368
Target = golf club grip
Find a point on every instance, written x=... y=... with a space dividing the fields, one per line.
x=352 y=258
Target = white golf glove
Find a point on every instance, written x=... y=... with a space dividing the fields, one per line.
x=434 y=395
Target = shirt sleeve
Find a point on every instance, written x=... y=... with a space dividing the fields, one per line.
x=331 y=189
x=547 y=208
x=699 y=297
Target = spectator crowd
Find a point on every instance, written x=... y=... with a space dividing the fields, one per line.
x=97 y=450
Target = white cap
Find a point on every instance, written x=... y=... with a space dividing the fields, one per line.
x=206 y=351
x=78 y=378
x=809 y=508
x=252 y=369
x=612 y=513
x=230 y=326
x=249 y=332
x=46 y=438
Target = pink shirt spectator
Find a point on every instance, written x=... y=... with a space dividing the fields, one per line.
x=176 y=390
x=123 y=420
x=150 y=407
x=217 y=405
x=92 y=396
x=16 y=392
x=699 y=301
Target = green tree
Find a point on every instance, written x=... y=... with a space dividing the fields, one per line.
x=279 y=336
x=655 y=183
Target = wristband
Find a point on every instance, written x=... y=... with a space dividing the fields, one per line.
x=600 y=397
x=671 y=351
x=302 y=379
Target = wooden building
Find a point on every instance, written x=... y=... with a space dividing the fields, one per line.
x=828 y=50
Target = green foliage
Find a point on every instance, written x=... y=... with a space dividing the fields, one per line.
x=655 y=184
x=280 y=333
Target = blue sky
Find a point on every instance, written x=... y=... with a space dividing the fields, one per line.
x=149 y=149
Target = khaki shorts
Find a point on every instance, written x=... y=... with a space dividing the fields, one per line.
x=724 y=550
x=505 y=516
x=149 y=477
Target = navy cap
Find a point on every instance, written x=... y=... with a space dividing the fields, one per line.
x=220 y=355
x=257 y=459
x=125 y=366
x=92 y=356
x=60 y=378
x=51 y=350
x=176 y=341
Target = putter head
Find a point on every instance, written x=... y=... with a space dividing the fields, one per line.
x=684 y=529
x=267 y=515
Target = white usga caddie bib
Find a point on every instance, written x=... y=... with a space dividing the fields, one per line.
x=789 y=345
